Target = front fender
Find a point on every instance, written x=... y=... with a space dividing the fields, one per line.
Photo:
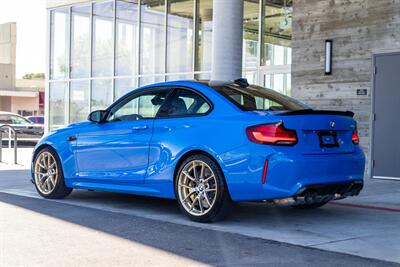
x=58 y=141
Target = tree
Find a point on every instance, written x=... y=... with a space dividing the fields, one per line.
x=33 y=76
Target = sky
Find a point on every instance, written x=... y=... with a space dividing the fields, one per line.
x=30 y=16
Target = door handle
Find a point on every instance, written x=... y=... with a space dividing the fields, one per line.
x=140 y=127
x=71 y=138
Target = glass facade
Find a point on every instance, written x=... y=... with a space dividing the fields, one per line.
x=100 y=50
x=276 y=51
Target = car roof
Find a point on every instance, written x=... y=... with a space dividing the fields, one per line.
x=209 y=83
x=9 y=113
x=187 y=83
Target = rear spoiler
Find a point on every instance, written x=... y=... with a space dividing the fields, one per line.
x=317 y=112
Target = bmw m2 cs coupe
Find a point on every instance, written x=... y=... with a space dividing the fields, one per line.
x=208 y=145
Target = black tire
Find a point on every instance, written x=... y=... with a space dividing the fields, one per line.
x=60 y=190
x=310 y=206
x=223 y=205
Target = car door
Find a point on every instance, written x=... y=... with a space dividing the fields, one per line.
x=116 y=151
x=179 y=125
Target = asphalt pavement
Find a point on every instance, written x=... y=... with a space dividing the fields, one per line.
x=38 y=232
x=107 y=229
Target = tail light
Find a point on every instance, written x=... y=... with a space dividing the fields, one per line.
x=271 y=134
x=355 y=138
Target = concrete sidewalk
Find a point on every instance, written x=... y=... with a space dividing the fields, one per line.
x=24 y=157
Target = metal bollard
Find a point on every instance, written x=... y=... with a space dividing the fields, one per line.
x=9 y=137
x=11 y=131
x=15 y=147
x=1 y=146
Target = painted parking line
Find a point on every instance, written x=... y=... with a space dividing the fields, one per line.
x=361 y=206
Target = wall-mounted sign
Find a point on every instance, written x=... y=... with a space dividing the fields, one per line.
x=362 y=91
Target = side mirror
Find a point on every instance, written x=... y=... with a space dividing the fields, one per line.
x=97 y=116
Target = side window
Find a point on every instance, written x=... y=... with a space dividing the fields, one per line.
x=143 y=106
x=184 y=103
x=5 y=119
x=19 y=120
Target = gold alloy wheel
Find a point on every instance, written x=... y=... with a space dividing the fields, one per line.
x=46 y=172
x=197 y=188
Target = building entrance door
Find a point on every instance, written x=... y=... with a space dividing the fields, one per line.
x=386 y=121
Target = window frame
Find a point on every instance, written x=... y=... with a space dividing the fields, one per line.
x=136 y=93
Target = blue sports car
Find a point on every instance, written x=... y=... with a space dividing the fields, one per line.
x=208 y=145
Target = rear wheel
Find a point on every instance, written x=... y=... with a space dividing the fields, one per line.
x=201 y=191
x=48 y=175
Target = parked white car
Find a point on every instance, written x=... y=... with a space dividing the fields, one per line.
x=26 y=130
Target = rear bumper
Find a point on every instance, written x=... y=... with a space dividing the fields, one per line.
x=342 y=189
x=291 y=174
x=322 y=193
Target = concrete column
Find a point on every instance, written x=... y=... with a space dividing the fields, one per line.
x=227 y=39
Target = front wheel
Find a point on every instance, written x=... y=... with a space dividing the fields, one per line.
x=48 y=175
x=201 y=191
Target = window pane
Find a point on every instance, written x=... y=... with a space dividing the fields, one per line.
x=277 y=31
x=19 y=120
x=267 y=81
x=180 y=36
x=5 y=119
x=152 y=36
x=123 y=86
x=79 y=104
x=180 y=77
x=204 y=35
x=250 y=33
x=184 y=102
x=279 y=55
x=144 y=106
x=125 y=61
x=203 y=76
x=259 y=98
x=288 y=84
x=251 y=77
x=278 y=83
x=57 y=104
x=80 y=42
x=101 y=94
x=288 y=56
x=59 y=44
x=150 y=80
x=103 y=39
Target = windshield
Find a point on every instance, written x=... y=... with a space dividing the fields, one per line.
x=256 y=98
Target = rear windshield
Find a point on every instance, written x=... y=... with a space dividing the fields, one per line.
x=254 y=98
